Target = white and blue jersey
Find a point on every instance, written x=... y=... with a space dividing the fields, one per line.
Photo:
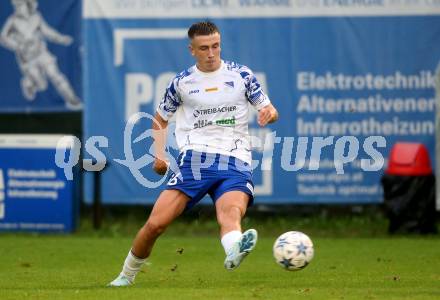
x=212 y=119
x=212 y=109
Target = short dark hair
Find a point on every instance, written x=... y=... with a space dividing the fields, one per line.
x=202 y=28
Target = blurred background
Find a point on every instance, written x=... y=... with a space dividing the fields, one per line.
x=354 y=83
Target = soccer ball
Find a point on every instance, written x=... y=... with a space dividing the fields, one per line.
x=293 y=250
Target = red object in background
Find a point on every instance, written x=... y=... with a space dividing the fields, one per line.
x=409 y=159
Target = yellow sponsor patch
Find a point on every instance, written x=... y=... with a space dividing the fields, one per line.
x=213 y=89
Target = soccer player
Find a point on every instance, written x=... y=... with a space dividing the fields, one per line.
x=26 y=32
x=210 y=100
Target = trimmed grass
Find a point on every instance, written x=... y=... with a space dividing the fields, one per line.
x=79 y=266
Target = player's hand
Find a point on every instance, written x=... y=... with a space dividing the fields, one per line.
x=160 y=166
x=65 y=40
x=267 y=114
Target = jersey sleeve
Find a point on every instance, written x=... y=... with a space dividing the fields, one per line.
x=254 y=93
x=171 y=101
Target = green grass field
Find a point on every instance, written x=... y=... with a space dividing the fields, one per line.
x=79 y=266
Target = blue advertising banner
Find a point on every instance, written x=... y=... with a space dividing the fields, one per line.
x=39 y=56
x=34 y=193
x=349 y=79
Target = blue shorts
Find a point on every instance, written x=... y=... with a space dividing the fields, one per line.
x=200 y=173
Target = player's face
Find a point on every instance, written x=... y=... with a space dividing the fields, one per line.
x=22 y=9
x=206 y=50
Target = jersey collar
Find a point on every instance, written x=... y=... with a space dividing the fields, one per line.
x=222 y=64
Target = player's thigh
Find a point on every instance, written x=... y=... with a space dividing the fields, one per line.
x=34 y=74
x=231 y=200
x=169 y=205
x=52 y=70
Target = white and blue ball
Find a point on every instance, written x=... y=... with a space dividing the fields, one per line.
x=293 y=250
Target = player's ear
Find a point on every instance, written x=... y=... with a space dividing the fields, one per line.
x=191 y=49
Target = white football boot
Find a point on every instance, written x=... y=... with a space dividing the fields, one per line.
x=121 y=280
x=241 y=249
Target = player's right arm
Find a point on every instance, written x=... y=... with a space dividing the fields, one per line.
x=167 y=107
x=159 y=127
x=7 y=37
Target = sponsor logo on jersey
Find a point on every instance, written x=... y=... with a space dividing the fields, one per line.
x=193 y=92
x=229 y=84
x=202 y=123
x=212 y=89
x=214 y=110
x=220 y=122
x=190 y=81
x=226 y=122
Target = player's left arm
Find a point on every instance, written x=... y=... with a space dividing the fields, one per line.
x=266 y=115
x=54 y=36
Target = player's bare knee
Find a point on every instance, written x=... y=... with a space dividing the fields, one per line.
x=229 y=214
x=154 y=228
x=41 y=84
x=236 y=210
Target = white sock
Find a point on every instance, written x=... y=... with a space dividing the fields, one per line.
x=132 y=266
x=229 y=239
